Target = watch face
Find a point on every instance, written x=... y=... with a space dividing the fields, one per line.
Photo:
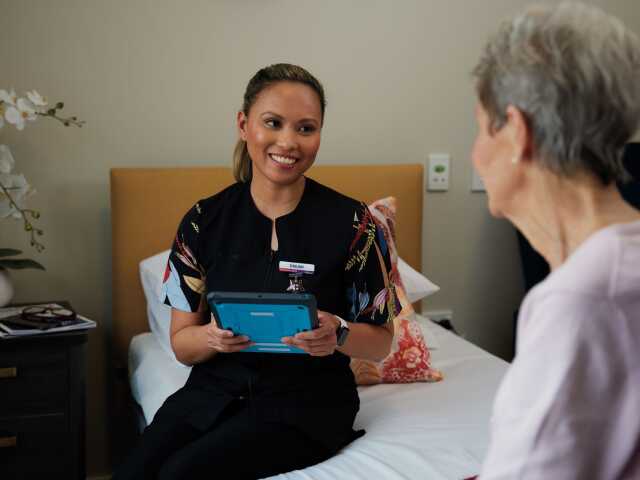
x=342 y=335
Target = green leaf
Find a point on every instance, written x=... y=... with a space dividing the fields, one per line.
x=9 y=252
x=20 y=263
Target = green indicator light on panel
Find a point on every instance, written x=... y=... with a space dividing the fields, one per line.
x=440 y=169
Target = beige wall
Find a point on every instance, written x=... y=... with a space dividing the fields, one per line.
x=159 y=83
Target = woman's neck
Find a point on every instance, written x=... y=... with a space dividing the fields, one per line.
x=557 y=215
x=273 y=200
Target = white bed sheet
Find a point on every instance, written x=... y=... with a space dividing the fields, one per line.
x=416 y=431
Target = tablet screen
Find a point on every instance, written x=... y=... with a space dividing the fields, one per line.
x=264 y=318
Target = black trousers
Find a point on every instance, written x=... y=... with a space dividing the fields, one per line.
x=236 y=446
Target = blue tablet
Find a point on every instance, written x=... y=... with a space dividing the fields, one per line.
x=265 y=317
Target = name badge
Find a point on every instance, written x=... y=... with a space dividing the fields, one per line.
x=295 y=267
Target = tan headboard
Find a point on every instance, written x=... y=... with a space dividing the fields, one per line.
x=148 y=203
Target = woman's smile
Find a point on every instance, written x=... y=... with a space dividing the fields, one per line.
x=283 y=160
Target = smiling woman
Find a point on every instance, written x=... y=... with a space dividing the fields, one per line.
x=284 y=130
x=288 y=411
x=296 y=90
x=282 y=133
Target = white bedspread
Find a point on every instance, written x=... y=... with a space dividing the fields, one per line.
x=416 y=431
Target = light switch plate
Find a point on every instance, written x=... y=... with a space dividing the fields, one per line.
x=477 y=184
x=439 y=169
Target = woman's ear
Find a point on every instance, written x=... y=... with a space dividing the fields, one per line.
x=519 y=133
x=241 y=123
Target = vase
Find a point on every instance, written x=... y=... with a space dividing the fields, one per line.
x=6 y=287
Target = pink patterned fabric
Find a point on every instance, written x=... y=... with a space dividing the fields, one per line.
x=409 y=360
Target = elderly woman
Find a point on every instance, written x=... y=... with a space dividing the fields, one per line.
x=559 y=95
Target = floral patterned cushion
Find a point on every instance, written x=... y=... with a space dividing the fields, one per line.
x=409 y=359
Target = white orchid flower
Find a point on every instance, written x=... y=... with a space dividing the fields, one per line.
x=6 y=159
x=23 y=110
x=14 y=188
x=7 y=99
x=14 y=117
x=37 y=99
x=19 y=190
x=10 y=98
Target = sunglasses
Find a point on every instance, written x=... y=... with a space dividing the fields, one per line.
x=48 y=317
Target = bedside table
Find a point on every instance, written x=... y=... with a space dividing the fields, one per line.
x=42 y=406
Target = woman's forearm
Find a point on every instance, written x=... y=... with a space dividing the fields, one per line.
x=190 y=345
x=369 y=342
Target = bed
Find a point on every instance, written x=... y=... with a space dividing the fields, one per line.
x=420 y=430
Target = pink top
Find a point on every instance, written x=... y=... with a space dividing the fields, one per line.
x=569 y=405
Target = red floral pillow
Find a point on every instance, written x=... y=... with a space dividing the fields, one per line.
x=409 y=360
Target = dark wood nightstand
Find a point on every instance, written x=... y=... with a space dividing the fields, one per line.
x=42 y=406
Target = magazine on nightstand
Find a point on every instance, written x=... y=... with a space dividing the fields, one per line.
x=14 y=324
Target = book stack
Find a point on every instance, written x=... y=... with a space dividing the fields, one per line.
x=14 y=324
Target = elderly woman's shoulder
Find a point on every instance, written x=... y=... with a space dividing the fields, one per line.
x=603 y=269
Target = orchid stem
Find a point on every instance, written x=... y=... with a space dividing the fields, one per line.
x=66 y=121
x=27 y=224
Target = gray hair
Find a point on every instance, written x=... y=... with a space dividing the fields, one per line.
x=574 y=72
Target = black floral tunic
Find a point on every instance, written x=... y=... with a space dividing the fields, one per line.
x=224 y=244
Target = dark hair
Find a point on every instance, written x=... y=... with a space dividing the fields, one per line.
x=279 y=72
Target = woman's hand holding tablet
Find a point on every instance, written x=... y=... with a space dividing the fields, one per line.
x=224 y=341
x=319 y=342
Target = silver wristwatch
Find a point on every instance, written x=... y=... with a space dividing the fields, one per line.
x=342 y=332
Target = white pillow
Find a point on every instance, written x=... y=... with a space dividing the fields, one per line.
x=159 y=314
x=416 y=285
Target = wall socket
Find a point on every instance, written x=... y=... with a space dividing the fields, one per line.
x=437 y=315
x=477 y=185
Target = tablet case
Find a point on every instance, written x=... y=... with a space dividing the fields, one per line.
x=264 y=317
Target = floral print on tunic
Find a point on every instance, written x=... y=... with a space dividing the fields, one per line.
x=188 y=273
x=384 y=306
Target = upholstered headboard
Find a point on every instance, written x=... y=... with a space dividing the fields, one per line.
x=148 y=203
